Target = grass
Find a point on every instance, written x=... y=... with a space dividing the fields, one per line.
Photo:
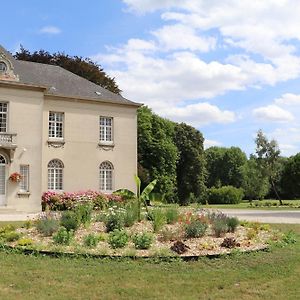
x=246 y=205
x=263 y=275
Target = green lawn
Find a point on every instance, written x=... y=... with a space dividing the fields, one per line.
x=263 y=275
x=257 y=204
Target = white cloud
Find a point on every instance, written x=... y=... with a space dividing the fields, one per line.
x=198 y=114
x=176 y=37
x=50 y=30
x=272 y=113
x=288 y=99
x=211 y=143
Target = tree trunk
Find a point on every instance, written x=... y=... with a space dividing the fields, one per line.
x=275 y=190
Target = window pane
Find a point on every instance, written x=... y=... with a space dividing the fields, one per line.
x=106 y=124
x=56 y=124
x=55 y=175
x=106 y=176
x=24 y=184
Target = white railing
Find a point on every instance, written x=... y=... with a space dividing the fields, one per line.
x=7 y=138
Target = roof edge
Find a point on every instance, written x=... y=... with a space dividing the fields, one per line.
x=66 y=98
x=19 y=85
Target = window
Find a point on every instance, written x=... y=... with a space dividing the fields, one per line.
x=56 y=125
x=24 y=183
x=3 y=117
x=106 y=130
x=106 y=176
x=3 y=67
x=55 y=175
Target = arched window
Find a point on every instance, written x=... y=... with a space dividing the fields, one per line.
x=55 y=174
x=106 y=176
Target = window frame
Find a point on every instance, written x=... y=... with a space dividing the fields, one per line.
x=103 y=136
x=6 y=118
x=55 y=123
x=55 y=183
x=27 y=184
x=103 y=185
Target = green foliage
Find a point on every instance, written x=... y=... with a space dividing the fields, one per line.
x=91 y=240
x=114 y=218
x=131 y=214
x=195 y=228
x=70 y=220
x=84 y=213
x=225 y=195
x=158 y=217
x=224 y=166
x=171 y=234
x=7 y=228
x=10 y=236
x=268 y=159
x=232 y=223
x=28 y=224
x=255 y=183
x=190 y=168
x=290 y=182
x=290 y=237
x=25 y=242
x=63 y=236
x=220 y=226
x=157 y=153
x=83 y=67
x=118 y=238
x=142 y=240
x=172 y=215
x=47 y=225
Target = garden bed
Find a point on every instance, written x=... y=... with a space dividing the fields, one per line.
x=116 y=232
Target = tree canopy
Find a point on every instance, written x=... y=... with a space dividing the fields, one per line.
x=224 y=166
x=83 y=67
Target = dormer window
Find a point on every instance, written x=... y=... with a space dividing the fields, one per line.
x=3 y=67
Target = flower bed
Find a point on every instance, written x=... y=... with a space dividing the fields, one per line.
x=66 y=201
x=116 y=232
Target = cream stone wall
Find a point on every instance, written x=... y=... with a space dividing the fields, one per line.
x=24 y=118
x=81 y=154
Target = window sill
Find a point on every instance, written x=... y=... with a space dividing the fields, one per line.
x=23 y=194
x=56 y=143
x=106 y=145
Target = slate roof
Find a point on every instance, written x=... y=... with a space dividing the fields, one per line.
x=61 y=82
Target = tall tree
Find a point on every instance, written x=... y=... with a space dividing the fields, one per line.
x=290 y=177
x=83 y=67
x=224 y=166
x=255 y=184
x=191 y=171
x=157 y=153
x=268 y=158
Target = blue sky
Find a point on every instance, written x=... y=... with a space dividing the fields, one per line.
x=226 y=67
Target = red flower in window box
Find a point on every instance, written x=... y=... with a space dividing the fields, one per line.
x=15 y=177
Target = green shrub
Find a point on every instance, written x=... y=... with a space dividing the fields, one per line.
x=232 y=224
x=142 y=240
x=290 y=237
x=172 y=215
x=63 y=236
x=114 y=219
x=91 y=240
x=25 y=242
x=28 y=224
x=131 y=214
x=220 y=227
x=47 y=225
x=158 y=217
x=7 y=228
x=11 y=236
x=100 y=202
x=69 y=220
x=118 y=238
x=84 y=213
x=171 y=234
x=195 y=228
x=225 y=195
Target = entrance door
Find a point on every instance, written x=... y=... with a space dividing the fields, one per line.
x=2 y=180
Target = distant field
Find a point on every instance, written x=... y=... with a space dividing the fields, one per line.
x=263 y=275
